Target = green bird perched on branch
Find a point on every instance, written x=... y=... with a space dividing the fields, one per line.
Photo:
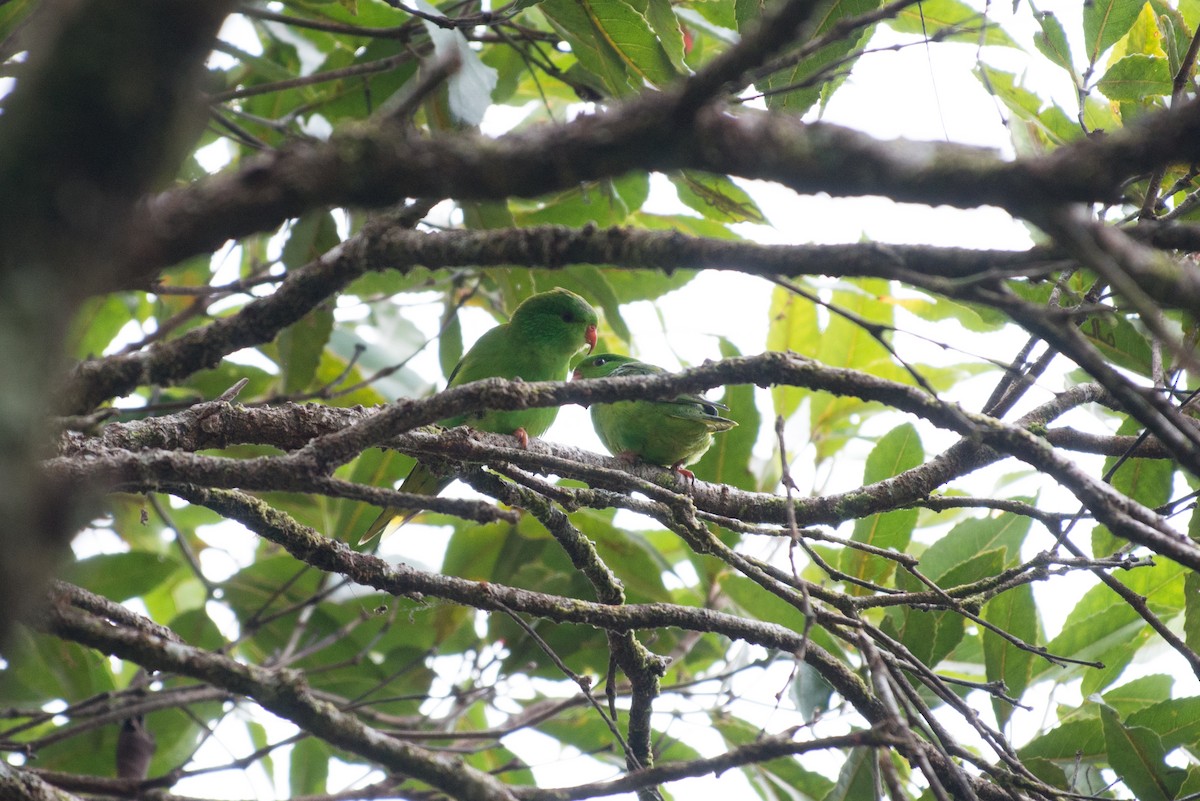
x=545 y=333
x=671 y=433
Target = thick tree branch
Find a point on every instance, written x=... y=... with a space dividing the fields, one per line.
x=1123 y=516
x=387 y=246
x=75 y=155
x=377 y=167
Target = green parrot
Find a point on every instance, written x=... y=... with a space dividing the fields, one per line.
x=546 y=332
x=671 y=433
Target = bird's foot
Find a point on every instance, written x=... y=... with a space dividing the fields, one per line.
x=522 y=437
x=628 y=457
x=683 y=471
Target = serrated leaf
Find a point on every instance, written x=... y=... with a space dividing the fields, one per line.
x=1145 y=36
x=1137 y=78
x=972 y=537
x=796 y=88
x=1176 y=721
x=662 y=19
x=1137 y=756
x=614 y=41
x=1052 y=42
x=1106 y=21
x=1077 y=739
x=1141 y=693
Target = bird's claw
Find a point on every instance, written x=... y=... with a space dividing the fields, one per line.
x=683 y=471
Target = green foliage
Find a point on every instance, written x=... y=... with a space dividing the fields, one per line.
x=897 y=451
x=979 y=612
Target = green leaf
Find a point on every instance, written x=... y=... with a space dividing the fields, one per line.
x=1191 y=619
x=1137 y=78
x=13 y=14
x=97 y=322
x=898 y=450
x=716 y=197
x=1102 y=627
x=1121 y=342
x=605 y=202
x=932 y=17
x=309 y=767
x=661 y=15
x=42 y=668
x=1137 y=756
x=639 y=566
x=793 y=327
x=1141 y=693
x=450 y=341
x=1015 y=612
x=779 y=778
x=856 y=779
x=1106 y=21
x=812 y=75
x=846 y=343
x=120 y=576
x=1147 y=481
x=313 y=234
x=1145 y=35
x=300 y=348
x=1176 y=721
x=728 y=461
x=613 y=41
x=810 y=691
x=1078 y=739
x=972 y=317
x=972 y=537
x=1046 y=126
x=471 y=85
x=1052 y=42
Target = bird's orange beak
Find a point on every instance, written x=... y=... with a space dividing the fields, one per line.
x=590 y=336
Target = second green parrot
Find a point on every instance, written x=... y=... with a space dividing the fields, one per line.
x=545 y=333
x=671 y=433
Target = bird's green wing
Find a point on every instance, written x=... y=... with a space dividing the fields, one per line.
x=537 y=344
x=701 y=410
x=672 y=432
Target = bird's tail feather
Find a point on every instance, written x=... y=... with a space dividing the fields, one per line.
x=421 y=481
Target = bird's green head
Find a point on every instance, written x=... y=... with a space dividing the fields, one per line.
x=557 y=316
x=601 y=365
